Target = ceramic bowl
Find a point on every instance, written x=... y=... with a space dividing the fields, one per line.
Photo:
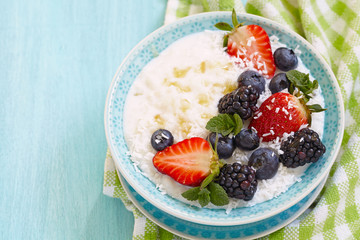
x=192 y=230
x=157 y=42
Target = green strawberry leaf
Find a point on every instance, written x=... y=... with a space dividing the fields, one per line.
x=215 y=170
x=223 y=26
x=225 y=42
x=225 y=124
x=192 y=194
x=204 y=197
x=316 y=108
x=218 y=195
x=234 y=18
x=208 y=180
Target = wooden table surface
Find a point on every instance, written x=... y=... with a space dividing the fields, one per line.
x=57 y=61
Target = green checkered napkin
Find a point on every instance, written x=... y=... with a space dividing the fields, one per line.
x=333 y=28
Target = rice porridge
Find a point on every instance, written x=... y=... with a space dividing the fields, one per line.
x=179 y=91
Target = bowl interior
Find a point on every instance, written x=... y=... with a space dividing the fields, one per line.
x=156 y=42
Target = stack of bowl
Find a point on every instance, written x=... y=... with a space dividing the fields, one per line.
x=244 y=222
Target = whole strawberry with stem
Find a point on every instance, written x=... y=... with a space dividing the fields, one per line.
x=285 y=112
x=249 y=43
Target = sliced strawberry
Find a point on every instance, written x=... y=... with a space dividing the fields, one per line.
x=280 y=113
x=251 y=44
x=187 y=162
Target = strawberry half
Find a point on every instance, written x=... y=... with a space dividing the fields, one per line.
x=280 y=113
x=187 y=162
x=251 y=44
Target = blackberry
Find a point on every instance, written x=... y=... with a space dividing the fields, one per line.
x=238 y=181
x=241 y=101
x=303 y=147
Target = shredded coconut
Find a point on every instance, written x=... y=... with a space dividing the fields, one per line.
x=250 y=40
x=285 y=111
x=157 y=92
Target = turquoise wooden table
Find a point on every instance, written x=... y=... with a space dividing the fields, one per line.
x=57 y=61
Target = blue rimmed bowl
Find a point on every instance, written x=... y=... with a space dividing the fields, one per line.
x=157 y=42
x=192 y=230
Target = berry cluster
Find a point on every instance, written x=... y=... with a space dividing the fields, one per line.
x=193 y=162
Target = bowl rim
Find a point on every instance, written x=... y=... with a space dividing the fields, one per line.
x=314 y=184
x=300 y=211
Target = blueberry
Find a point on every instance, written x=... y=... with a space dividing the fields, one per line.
x=252 y=78
x=285 y=59
x=225 y=145
x=247 y=139
x=278 y=83
x=266 y=163
x=161 y=139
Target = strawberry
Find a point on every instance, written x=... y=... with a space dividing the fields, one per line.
x=280 y=113
x=187 y=162
x=286 y=112
x=251 y=44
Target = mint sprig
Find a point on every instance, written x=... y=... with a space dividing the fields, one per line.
x=204 y=197
x=213 y=193
x=192 y=194
x=209 y=191
x=302 y=82
x=218 y=195
x=225 y=124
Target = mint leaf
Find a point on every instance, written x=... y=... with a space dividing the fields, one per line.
x=192 y=194
x=223 y=26
x=221 y=123
x=302 y=82
x=218 y=195
x=238 y=124
x=204 y=197
x=225 y=124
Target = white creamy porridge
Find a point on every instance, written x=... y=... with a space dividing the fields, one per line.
x=179 y=91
